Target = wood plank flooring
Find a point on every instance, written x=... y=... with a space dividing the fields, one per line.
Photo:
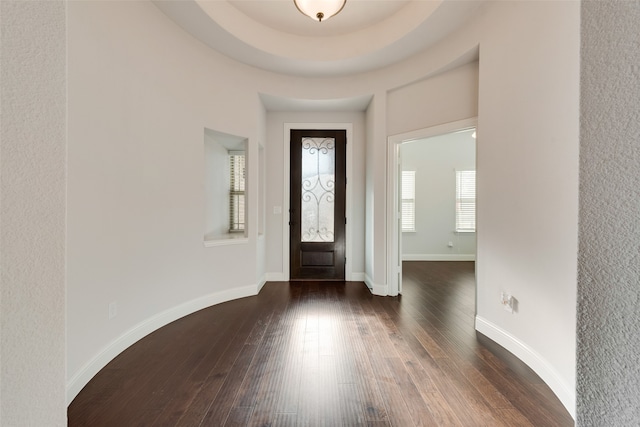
x=325 y=354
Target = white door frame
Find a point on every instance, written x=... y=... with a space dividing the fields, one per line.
x=348 y=127
x=394 y=233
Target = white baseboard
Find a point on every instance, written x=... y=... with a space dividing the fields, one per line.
x=275 y=277
x=261 y=283
x=357 y=277
x=438 y=257
x=368 y=281
x=139 y=331
x=380 y=290
x=532 y=359
x=376 y=289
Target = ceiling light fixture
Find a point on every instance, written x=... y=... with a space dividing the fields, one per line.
x=320 y=10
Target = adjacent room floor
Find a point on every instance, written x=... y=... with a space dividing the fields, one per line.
x=325 y=354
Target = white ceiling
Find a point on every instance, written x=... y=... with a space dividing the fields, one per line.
x=274 y=35
x=284 y=16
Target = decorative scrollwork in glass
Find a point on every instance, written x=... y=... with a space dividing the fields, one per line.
x=318 y=189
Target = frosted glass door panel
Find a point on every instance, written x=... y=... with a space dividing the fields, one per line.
x=318 y=189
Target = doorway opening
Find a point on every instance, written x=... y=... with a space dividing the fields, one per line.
x=451 y=234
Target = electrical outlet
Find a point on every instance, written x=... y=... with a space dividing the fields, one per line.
x=450 y=244
x=113 y=310
x=507 y=301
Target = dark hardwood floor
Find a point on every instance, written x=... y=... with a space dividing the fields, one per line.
x=325 y=354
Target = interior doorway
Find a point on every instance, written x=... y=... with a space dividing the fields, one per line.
x=395 y=201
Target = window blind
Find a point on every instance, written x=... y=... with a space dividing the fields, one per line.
x=236 y=192
x=408 y=208
x=466 y=201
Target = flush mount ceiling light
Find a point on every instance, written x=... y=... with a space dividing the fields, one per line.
x=320 y=10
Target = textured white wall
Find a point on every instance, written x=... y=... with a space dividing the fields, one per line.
x=32 y=216
x=435 y=161
x=608 y=382
x=370 y=120
x=375 y=200
x=444 y=98
x=141 y=92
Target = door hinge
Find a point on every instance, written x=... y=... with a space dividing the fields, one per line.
x=345 y=220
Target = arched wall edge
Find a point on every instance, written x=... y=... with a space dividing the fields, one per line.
x=144 y=328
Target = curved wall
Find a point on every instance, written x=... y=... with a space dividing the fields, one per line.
x=527 y=177
x=141 y=91
x=141 y=94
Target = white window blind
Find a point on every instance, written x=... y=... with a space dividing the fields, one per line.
x=408 y=213
x=236 y=192
x=466 y=201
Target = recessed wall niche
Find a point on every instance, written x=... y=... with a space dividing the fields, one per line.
x=225 y=164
